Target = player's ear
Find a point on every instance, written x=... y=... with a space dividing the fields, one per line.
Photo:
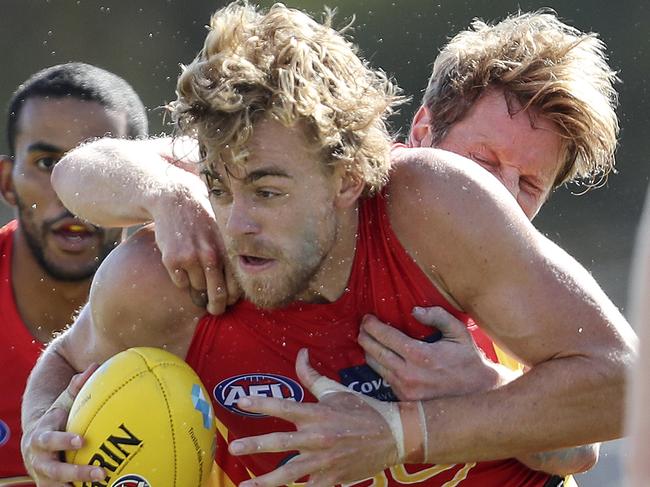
x=7 y=179
x=350 y=189
x=420 y=135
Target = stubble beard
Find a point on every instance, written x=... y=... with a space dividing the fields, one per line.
x=35 y=238
x=295 y=275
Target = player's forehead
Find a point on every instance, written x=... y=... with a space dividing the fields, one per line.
x=272 y=149
x=66 y=121
x=522 y=137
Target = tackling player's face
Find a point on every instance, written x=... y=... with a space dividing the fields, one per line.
x=276 y=216
x=65 y=247
x=523 y=151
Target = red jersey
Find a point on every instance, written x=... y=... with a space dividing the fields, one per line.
x=18 y=353
x=248 y=351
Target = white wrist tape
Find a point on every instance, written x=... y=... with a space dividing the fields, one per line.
x=400 y=417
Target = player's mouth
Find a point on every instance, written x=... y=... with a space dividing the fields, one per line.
x=74 y=236
x=253 y=263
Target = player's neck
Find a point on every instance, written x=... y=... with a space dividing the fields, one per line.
x=45 y=304
x=332 y=278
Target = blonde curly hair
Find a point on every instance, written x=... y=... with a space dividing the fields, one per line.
x=544 y=64
x=284 y=65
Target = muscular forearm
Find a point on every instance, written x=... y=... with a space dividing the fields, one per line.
x=557 y=462
x=563 y=462
x=48 y=380
x=549 y=408
x=51 y=389
x=142 y=175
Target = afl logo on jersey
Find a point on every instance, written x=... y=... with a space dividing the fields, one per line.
x=131 y=481
x=5 y=433
x=229 y=391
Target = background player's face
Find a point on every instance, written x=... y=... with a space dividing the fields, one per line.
x=277 y=215
x=65 y=247
x=523 y=151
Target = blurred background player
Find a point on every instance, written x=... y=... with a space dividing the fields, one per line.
x=497 y=95
x=638 y=424
x=48 y=256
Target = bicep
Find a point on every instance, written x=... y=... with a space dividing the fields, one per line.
x=132 y=303
x=539 y=303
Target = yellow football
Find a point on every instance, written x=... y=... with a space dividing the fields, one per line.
x=147 y=420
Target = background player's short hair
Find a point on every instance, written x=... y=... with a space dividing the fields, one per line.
x=542 y=63
x=84 y=82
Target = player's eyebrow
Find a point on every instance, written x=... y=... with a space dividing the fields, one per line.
x=266 y=172
x=251 y=177
x=44 y=147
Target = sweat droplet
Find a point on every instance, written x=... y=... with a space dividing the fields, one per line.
x=34 y=206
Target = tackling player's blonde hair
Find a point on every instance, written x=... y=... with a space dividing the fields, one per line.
x=285 y=65
x=559 y=71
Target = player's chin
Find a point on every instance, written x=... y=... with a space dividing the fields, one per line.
x=268 y=300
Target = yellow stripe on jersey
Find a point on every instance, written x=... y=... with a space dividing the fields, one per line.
x=507 y=360
x=221 y=428
x=569 y=481
x=218 y=478
x=403 y=477
x=460 y=475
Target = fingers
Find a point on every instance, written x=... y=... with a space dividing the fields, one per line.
x=66 y=472
x=206 y=280
x=44 y=448
x=273 y=442
x=57 y=441
x=282 y=408
x=178 y=276
x=448 y=324
x=317 y=384
x=185 y=270
x=78 y=380
x=199 y=298
x=216 y=287
x=67 y=397
x=385 y=344
x=387 y=374
x=195 y=273
x=285 y=475
x=307 y=375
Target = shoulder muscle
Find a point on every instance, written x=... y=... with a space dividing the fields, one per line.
x=134 y=302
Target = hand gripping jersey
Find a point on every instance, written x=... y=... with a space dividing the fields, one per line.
x=18 y=353
x=249 y=351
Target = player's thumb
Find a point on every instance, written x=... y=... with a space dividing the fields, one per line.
x=317 y=384
x=450 y=327
x=307 y=375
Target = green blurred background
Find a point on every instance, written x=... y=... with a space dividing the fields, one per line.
x=145 y=41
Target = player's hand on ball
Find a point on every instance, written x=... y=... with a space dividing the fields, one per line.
x=332 y=436
x=417 y=370
x=42 y=446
